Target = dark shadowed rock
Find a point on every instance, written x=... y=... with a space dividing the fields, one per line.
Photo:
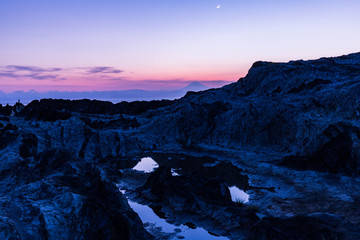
x=8 y=135
x=286 y=107
x=199 y=196
x=58 y=109
x=8 y=229
x=302 y=228
x=6 y=110
x=190 y=188
x=28 y=146
x=4 y=118
x=42 y=111
x=59 y=197
x=338 y=151
x=120 y=123
x=9 y=127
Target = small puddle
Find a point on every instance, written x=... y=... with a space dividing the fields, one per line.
x=146 y=165
x=151 y=220
x=238 y=195
x=174 y=173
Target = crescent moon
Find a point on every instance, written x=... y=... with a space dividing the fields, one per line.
x=218 y=6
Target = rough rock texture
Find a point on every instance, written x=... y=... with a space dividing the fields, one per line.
x=163 y=186
x=301 y=228
x=47 y=192
x=293 y=129
x=199 y=196
x=301 y=109
x=52 y=110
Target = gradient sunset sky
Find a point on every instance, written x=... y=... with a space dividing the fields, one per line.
x=86 y=45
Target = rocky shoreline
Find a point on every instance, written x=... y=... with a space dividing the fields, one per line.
x=288 y=134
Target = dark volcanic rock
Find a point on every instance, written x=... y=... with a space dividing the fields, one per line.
x=206 y=167
x=139 y=107
x=29 y=145
x=6 y=110
x=4 y=118
x=163 y=186
x=57 y=177
x=120 y=123
x=64 y=198
x=41 y=111
x=8 y=135
x=338 y=151
x=286 y=107
x=58 y=109
x=10 y=127
x=302 y=228
x=193 y=194
x=8 y=229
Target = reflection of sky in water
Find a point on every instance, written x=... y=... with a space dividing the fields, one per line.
x=238 y=195
x=146 y=165
x=147 y=215
x=174 y=173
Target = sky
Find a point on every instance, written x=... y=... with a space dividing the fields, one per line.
x=90 y=45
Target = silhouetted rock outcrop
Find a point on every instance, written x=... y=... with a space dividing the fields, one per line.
x=292 y=108
x=58 y=109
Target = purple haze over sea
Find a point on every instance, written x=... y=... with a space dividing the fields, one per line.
x=93 y=45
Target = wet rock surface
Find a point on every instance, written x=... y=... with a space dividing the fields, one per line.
x=193 y=194
x=302 y=228
x=287 y=134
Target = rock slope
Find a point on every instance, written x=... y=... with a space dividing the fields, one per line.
x=307 y=111
x=293 y=128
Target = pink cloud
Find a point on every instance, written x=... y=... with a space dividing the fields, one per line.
x=100 y=78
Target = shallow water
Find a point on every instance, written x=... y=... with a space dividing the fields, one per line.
x=146 y=165
x=174 y=172
x=238 y=195
x=151 y=220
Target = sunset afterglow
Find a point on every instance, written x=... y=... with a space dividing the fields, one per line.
x=115 y=45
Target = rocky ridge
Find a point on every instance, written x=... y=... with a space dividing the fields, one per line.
x=292 y=127
x=301 y=109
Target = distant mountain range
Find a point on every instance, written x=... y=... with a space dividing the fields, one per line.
x=112 y=96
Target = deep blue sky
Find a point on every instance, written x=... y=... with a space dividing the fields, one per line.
x=162 y=44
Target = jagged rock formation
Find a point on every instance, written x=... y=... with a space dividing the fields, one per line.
x=60 y=158
x=194 y=194
x=52 y=110
x=301 y=108
x=53 y=195
x=51 y=188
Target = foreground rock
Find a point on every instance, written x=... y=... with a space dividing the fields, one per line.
x=193 y=195
x=303 y=228
x=52 y=195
